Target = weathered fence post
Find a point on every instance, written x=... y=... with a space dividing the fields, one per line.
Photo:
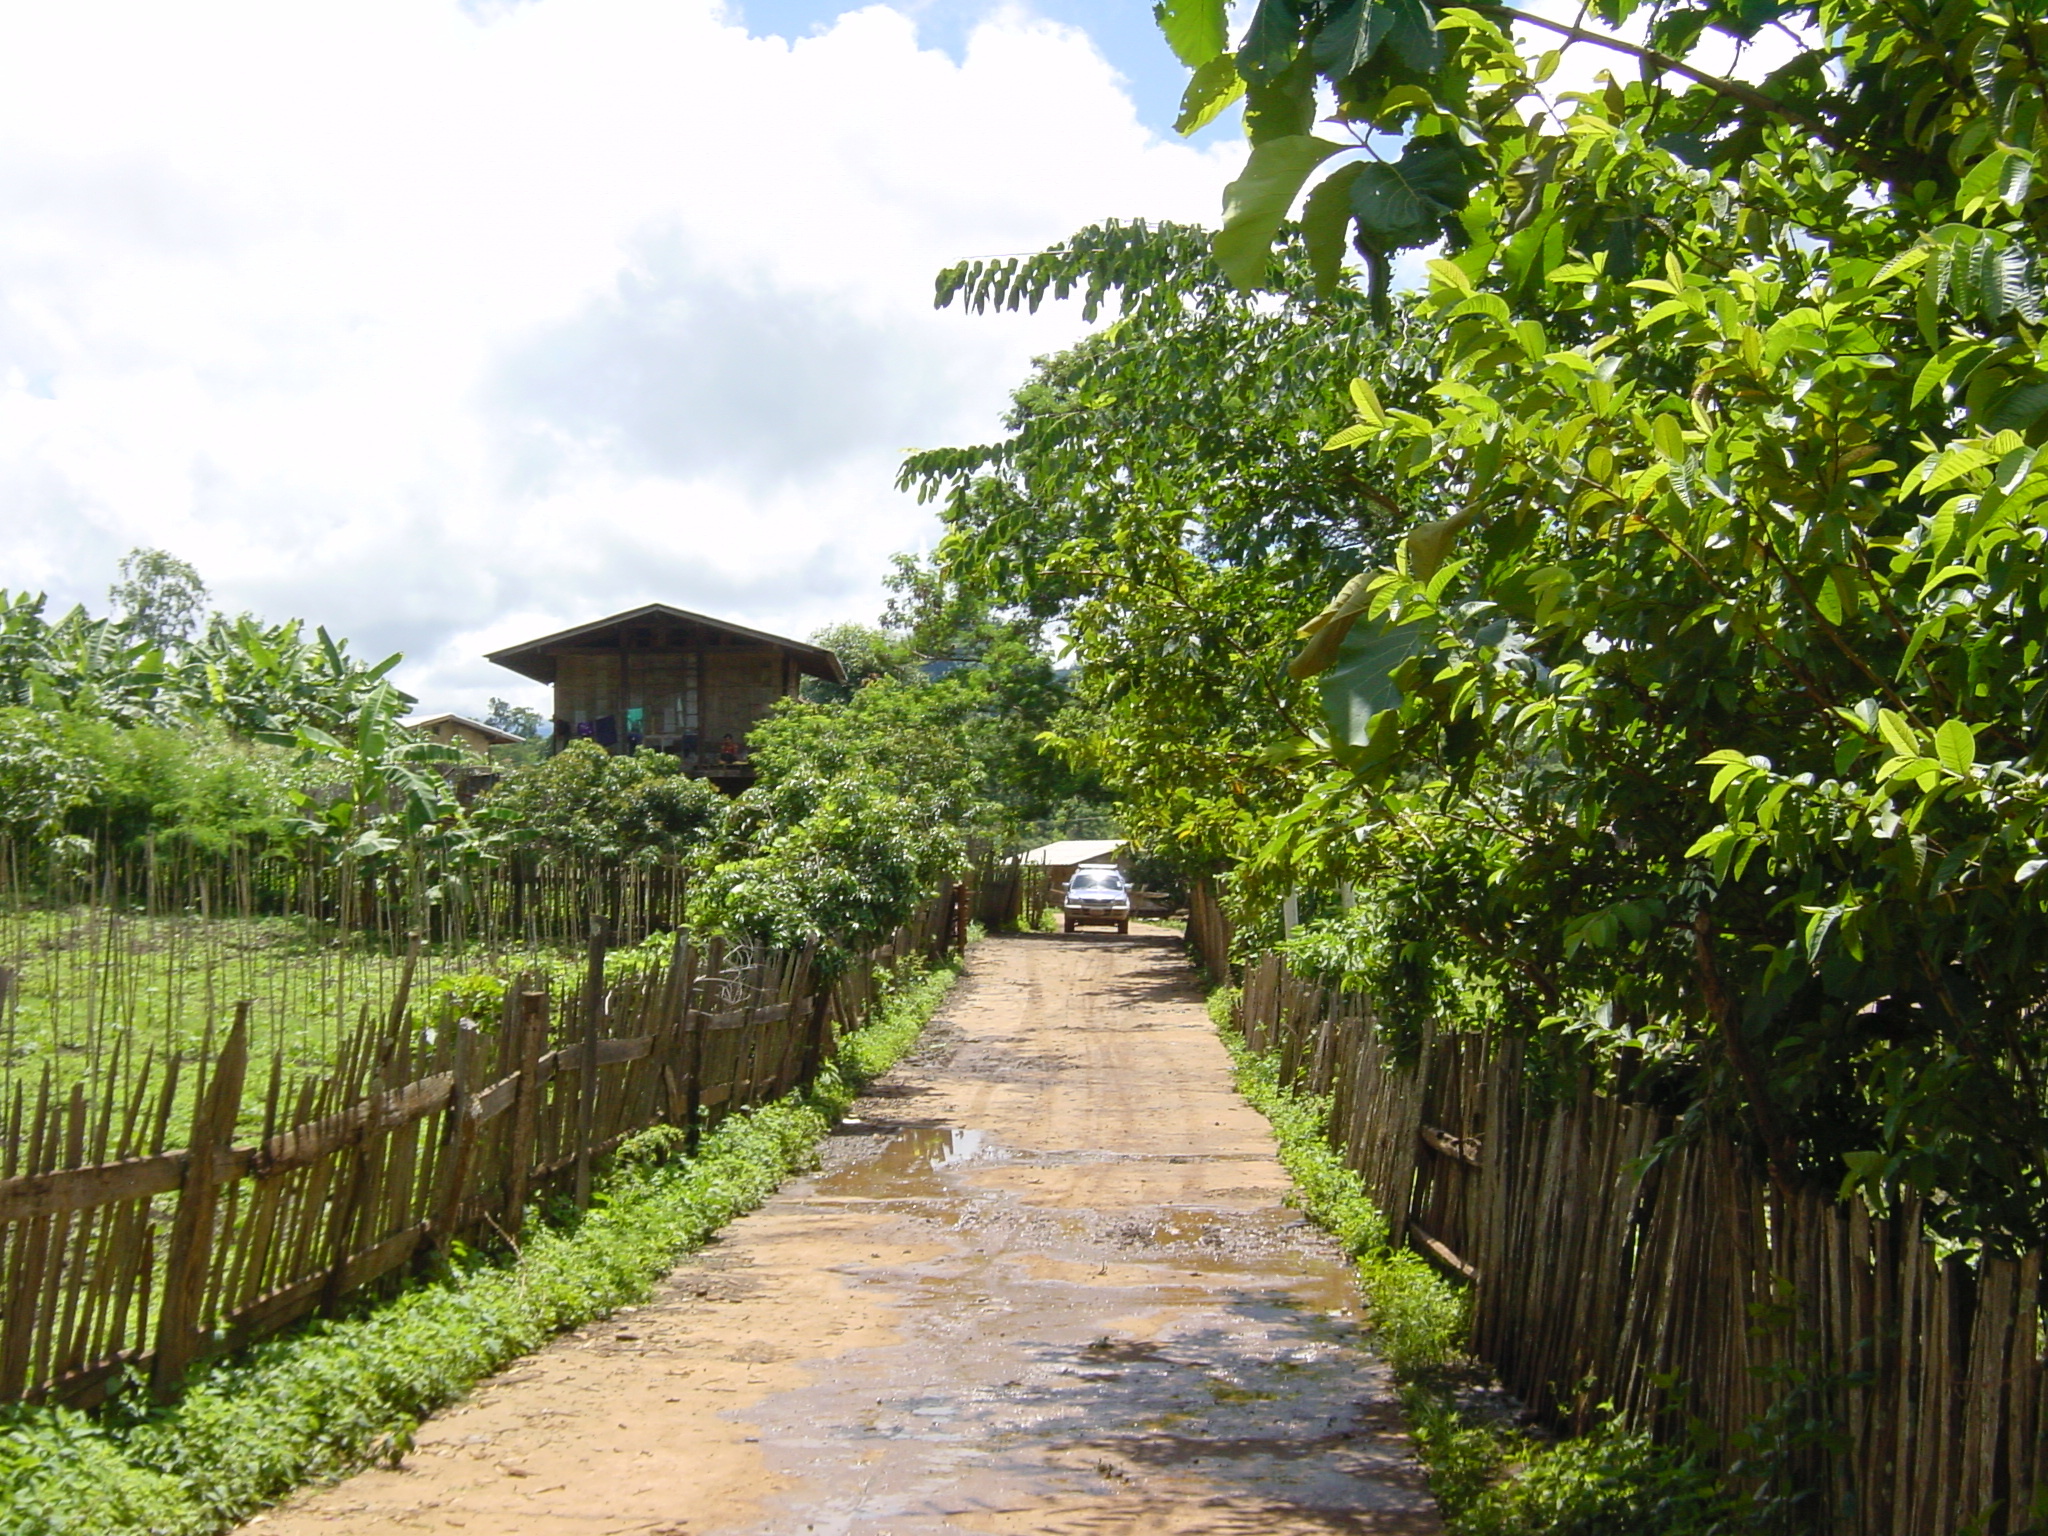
x=185 y=1268
x=693 y=1074
x=963 y=915
x=586 y=1089
x=27 y=1150
x=533 y=1031
x=694 y=1017
x=817 y=1046
x=676 y=1031
x=748 y=1049
x=458 y=1151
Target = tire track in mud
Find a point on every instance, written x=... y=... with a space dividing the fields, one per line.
x=1043 y=1282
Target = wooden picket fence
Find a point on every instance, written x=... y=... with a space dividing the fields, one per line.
x=1900 y=1393
x=122 y=1251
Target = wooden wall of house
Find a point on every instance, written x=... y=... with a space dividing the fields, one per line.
x=705 y=693
x=739 y=688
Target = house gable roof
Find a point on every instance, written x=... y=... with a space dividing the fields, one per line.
x=536 y=658
x=488 y=732
x=1078 y=850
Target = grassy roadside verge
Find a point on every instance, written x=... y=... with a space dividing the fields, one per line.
x=1490 y=1477
x=341 y=1392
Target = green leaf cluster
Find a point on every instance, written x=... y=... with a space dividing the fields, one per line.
x=1164 y=504
x=1701 y=713
x=1729 y=678
x=150 y=724
x=584 y=803
x=830 y=864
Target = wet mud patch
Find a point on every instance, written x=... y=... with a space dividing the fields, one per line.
x=1199 y=1356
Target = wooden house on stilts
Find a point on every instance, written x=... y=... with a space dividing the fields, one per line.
x=661 y=677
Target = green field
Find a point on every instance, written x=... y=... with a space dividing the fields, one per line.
x=96 y=996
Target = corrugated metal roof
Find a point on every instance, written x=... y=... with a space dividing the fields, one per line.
x=1073 y=851
x=503 y=738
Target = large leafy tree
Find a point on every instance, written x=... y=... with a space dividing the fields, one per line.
x=159 y=597
x=867 y=654
x=516 y=719
x=1685 y=697
x=1163 y=499
x=1887 y=115
x=169 y=733
x=265 y=681
x=610 y=810
x=261 y=681
x=948 y=701
x=93 y=667
x=1714 y=698
x=831 y=862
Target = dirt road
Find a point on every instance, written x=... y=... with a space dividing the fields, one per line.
x=1043 y=1283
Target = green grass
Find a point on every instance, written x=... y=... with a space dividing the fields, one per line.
x=85 y=980
x=85 y=977
x=1489 y=1478
x=340 y=1392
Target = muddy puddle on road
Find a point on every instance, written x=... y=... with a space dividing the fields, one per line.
x=1085 y=1348
x=896 y=1162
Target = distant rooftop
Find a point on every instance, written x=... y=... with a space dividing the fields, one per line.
x=490 y=732
x=1073 y=851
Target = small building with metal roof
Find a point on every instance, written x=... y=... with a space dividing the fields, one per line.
x=461 y=731
x=666 y=678
x=1073 y=852
x=1060 y=860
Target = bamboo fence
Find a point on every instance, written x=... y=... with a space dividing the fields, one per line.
x=123 y=1250
x=1828 y=1347
x=1209 y=932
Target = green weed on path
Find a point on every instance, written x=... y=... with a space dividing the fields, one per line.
x=341 y=1392
x=1489 y=1478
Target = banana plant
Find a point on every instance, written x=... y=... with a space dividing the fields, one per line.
x=93 y=666
x=390 y=786
x=267 y=681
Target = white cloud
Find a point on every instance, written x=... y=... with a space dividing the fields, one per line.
x=448 y=326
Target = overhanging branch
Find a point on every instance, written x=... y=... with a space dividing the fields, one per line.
x=1733 y=90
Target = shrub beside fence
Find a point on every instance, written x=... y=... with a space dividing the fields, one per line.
x=120 y=1250
x=1827 y=1343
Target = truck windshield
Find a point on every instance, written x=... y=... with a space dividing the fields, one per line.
x=1096 y=880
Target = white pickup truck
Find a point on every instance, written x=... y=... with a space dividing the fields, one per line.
x=1098 y=896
